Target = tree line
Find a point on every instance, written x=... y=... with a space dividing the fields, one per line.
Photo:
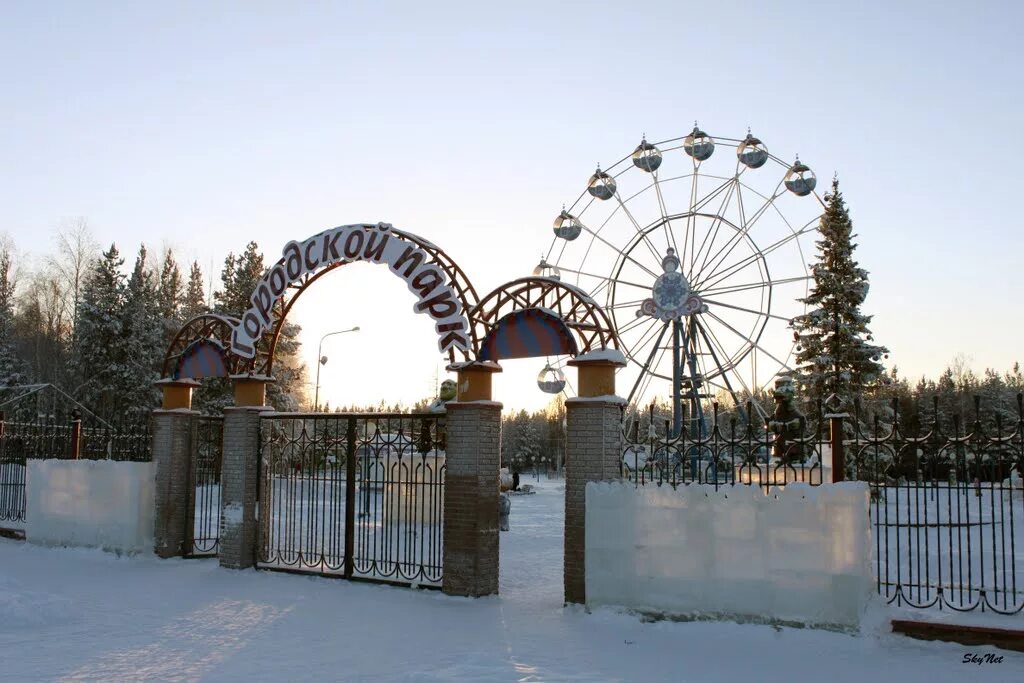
x=97 y=325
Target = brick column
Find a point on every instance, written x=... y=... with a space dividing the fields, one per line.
x=471 y=486
x=173 y=436
x=238 y=486
x=593 y=451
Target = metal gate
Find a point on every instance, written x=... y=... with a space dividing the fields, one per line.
x=203 y=538
x=354 y=495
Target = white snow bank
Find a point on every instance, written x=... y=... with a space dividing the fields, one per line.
x=801 y=554
x=90 y=503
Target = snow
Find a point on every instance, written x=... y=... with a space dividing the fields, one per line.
x=799 y=554
x=608 y=355
x=91 y=503
x=88 y=615
x=604 y=398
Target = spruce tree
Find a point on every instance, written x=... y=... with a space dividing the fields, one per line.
x=98 y=332
x=834 y=350
x=142 y=338
x=239 y=278
x=194 y=302
x=13 y=370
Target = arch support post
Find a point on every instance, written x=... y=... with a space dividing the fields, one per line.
x=471 y=497
x=239 y=483
x=250 y=390
x=174 y=434
x=593 y=451
x=177 y=393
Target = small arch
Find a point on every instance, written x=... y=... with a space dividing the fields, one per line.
x=586 y=322
x=203 y=358
x=528 y=333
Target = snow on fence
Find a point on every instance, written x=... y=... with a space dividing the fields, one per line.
x=800 y=554
x=92 y=503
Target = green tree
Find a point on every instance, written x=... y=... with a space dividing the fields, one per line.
x=834 y=350
x=98 y=331
x=194 y=300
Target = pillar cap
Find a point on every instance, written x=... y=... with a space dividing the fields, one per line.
x=267 y=379
x=182 y=382
x=612 y=357
x=610 y=399
x=474 y=366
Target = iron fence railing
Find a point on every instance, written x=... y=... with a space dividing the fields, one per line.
x=720 y=454
x=947 y=505
x=205 y=501
x=353 y=495
x=45 y=438
x=948 y=509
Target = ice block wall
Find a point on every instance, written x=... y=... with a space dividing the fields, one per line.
x=798 y=554
x=90 y=503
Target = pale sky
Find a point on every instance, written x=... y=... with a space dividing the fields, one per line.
x=204 y=125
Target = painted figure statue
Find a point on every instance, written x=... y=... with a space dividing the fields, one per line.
x=445 y=395
x=786 y=423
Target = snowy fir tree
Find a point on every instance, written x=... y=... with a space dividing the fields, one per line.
x=194 y=301
x=96 y=356
x=239 y=278
x=13 y=370
x=834 y=350
x=142 y=338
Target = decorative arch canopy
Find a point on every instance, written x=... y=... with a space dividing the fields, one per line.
x=538 y=316
x=528 y=333
x=203 y=358
x=201 y=348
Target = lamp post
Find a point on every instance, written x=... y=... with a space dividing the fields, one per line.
x=322 y=360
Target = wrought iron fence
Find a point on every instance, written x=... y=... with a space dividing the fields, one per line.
x=947 y=505
x=45 y=438
x=724 y=453
x=205 y=501
x=353 y=495
x=948 y=510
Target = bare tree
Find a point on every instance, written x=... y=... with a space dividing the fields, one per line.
x=76 y=250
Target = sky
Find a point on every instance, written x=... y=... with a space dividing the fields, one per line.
x=205 y=125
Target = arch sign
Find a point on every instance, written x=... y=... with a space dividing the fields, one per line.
x=359 y=242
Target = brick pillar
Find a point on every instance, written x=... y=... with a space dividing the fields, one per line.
x=173 y=435
x=593 y=451
x=471 y=488
x=238 y=486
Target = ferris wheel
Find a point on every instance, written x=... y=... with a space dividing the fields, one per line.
x=697 y=247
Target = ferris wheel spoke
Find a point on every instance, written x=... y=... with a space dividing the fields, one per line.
x=753 y=342
x=625 y=304
x=605 y=279
x=645 y=337
x=646 y=369
x=731 y=289
x=629 y=326
x=716 y=226
x=746 y=310
x=623 y=254
x=666 y=224
x=713 y=343
x=715 y=278
x=746 y=226
x=639 y=231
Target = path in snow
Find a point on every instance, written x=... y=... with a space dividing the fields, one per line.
x=88 y=615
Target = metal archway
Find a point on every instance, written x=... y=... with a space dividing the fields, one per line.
x=460 y=282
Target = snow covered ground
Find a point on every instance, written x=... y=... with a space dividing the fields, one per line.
x=89 y=615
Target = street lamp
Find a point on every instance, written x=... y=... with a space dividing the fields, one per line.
x=322 y=360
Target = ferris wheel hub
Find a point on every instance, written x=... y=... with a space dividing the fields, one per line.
x=672 y=297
